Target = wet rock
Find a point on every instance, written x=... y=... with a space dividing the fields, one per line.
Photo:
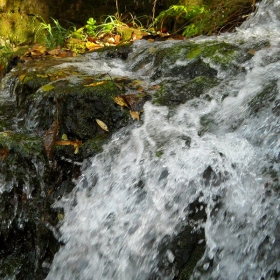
x=43 y=95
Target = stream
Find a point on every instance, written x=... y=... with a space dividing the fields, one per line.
x=209 y=165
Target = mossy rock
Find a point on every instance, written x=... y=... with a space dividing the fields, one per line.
x=171 y=94
x=18 y=28
x=188 y=60
x=78 y=107
x=219 y=53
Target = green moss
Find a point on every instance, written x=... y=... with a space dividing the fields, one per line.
x=174 y=94
x=94 y=145
x=17 y=28
x=159 y=153
x=194 y=53
x=22 y=144
x=220 y=53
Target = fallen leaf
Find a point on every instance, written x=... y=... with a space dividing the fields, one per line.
x=155 y=87
x=67 y=53
x=117 y=39
x=47 y=87
x=121 y=101
x=95 y=84
x=136 y=101
x=4 y=152
x=252 y=52
x=76 y=144
x=92 y=46
x=102 y=125
x=42 y=75
x=49 y=138
x=135 y=115
x=22 y=77
x=54 y=51
x=64 y=137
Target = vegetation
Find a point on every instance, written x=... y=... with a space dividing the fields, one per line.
x=6 y=52
x=190 y=18
x=54 y=35
x=208 y=17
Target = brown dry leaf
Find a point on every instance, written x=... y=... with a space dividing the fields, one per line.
x=67 y=53
x=117 y=39
x=54 y=51
x=135 y=115
x=120 y=80
x=76 y=144
x=102 y=125
x=121 y=101
x=49 y=138
x=134 y=102
x=4 y=152
x=252 y=52
x=36 y=51
x=95 y=84
x=39 y=48
x=156 y=87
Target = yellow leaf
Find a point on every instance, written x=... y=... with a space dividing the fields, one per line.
x=76 y=144
x=47 y=87
x=102 y=125
x=21 y=77
x=135 y=115
x=64 y=137
x=42 y=76
x=76 y=149
x=120 y=101
x=92 y=46
x=60 y=216
x=95 y=84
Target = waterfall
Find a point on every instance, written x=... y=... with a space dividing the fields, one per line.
x=137 y=192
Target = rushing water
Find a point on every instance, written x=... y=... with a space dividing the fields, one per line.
x=137 y=192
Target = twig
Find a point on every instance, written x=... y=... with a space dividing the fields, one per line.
x=154 y=10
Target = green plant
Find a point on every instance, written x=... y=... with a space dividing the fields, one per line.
x=181 y=13
x=110 y=24
x=6 y=53
x=91 y=27
x=54 y=35
x=73 y=32
x=212 y=16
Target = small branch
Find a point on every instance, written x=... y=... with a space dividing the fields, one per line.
x=154 y=9
x=117 y=7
